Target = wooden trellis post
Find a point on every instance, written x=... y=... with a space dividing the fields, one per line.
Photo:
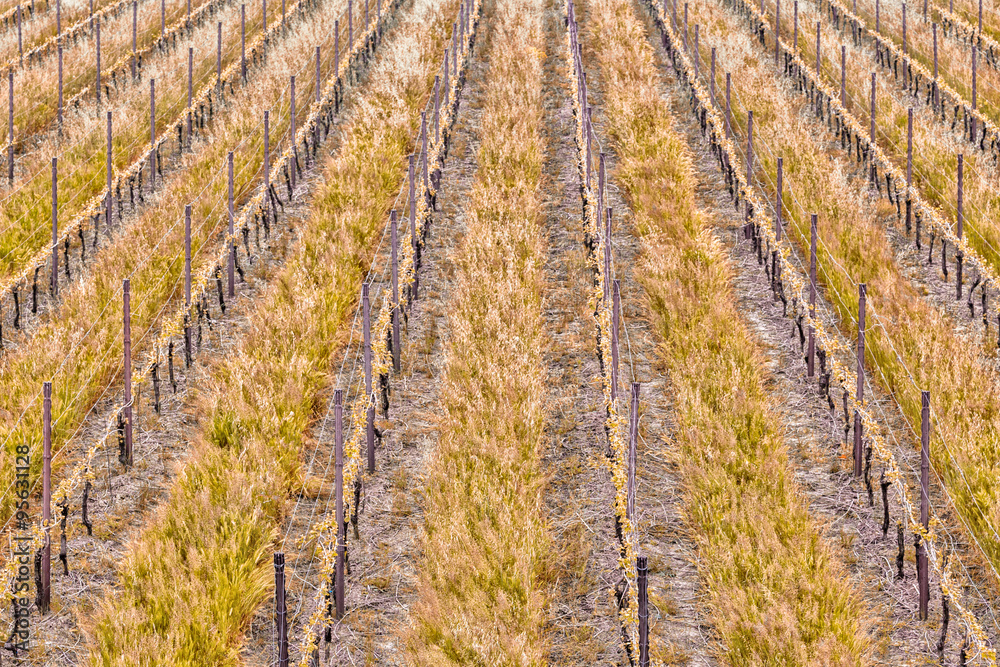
x=55 y=227
x=641 y=570
x=778 y=203
x=394 y=241
x=187 y=285
x=127 y=335
x=909 y=167
x=280 y=610
x=10 y=127
x=109 y=217
x=231 y=268
x=46 y=591
x=218 y=57
x=925 y=439
x=959 y=228
x=729 y=127
x=97 y=39
x=370 y=410
x=243 y=42
x=615 y=319
x=633 y=436
x=777 y=31
x=190 y=115
x=843 y=75
x=291 y=135
x=811 y=355
x=152 y=133
x=338 y=415
x=858 y=448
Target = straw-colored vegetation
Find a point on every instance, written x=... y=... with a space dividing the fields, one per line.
x=912 y=344
x=481 y=589
x=193 y=578
x=41 y=26
x=82 y=148
x=775 y=592
x=80 y=351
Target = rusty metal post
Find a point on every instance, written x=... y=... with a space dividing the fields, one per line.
x=811 y=355
x=641 y=570
x=127 y=336
x=729 y=128
x=218 y=56
x=858 y=448
x=295 y=148
x=616 y=306
x=243 y=41
x=394 y=241
x=152 y=133
x=370 y=410
x=97 y=38
x=925 y=458
x=187 y=284
x=109 y=218
x=10 y=126
x=280 y=609
x=778 y=203
x=190 y=116
x=135 y=15
x=959 y=228
x=338 y=416
x=633 y=436
x=55 y=227
x=46 y=494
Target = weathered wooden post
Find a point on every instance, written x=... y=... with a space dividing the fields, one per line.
x=811 y=356
x=607 y=256
x=795 y=26
x=295 y=150
x=858 y=448
x=959 y=228
x=280 y=610
x=904 y=29
x=243 y=42
x=10 y=127
x=370 y=410
x=641 y=571
x=46 y=592
x=338 y=415
x=633 y=436
x=818 y=52
x=59 y=107
x=109 y=218
x=414 y=243
x=135 y=15
x=218 y=56
x=190 y=116
x=972 y=116
x=872 y=130
x=615 y=320
x=729 y=128
x=394 y=241
x=55 y=227
x=934 y=33
x=778 y=202
x=909 y=167
x=600 y=189
x=187 y=285
x=843 y=75
x=152 y=133
x=711 y=83
x=97 y=39
x=127 y=335
x=925 y=440
x=777 y=31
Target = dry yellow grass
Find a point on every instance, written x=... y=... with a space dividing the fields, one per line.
x=776 y=593
x=480 y=595
x=910 y=338
x=192 y=580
